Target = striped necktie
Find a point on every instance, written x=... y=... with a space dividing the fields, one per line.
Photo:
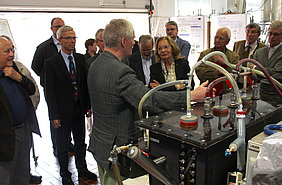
x=73 y=77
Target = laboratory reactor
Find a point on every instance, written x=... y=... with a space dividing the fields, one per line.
x=206 y=143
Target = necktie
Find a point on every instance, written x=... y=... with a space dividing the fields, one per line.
x=248 y=51
x=73 y=77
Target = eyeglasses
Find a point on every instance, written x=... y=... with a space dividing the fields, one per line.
x=146 y=50
x=274 y=34
x=69 y=38
x=252 y=32
x=170 y=29
x=161 y=48
x=58 y=26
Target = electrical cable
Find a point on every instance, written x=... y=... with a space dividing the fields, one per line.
x=222 y=79
x=264 y=72
x=269 y=129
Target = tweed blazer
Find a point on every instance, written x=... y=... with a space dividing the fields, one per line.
x=59 y=89
x=239 y=48
x=205 y=72
x=115 y=93
x=7 y=134
x=184 y=47
x=44 y=51
x=135 y=62
x=182 y=70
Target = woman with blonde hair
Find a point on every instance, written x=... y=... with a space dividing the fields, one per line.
x=170 y=66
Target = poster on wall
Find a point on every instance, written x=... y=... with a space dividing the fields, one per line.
x=192 y=29
x=235 y=22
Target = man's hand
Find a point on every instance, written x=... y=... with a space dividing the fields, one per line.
x=12 y=73
x=218 y=59
x=251 y=65
x=153 y=85
x=200 y=92
x=56 y=123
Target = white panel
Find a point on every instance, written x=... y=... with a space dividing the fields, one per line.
x=235 y=22
x=73 y=5
x=192 y=29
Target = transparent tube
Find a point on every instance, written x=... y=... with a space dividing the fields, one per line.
x=244 y=68
x=150 y=92
x=229 y=77
x=221 y=54
x=219 y=68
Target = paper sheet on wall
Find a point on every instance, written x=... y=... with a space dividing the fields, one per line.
x=235 y=22
x=192 y=29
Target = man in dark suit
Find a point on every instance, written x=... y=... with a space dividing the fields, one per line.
x=172 y=31
x=246 y=48
x=141 y=60
x=100 y=43
x=68 y=101
x=115 y=93
x=47 y=49
x=44 y=51
x=17 y=119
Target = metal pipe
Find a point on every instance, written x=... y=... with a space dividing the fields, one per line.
x=142 y=160
x=116 y=170
x=114 y=161
x=208 y=33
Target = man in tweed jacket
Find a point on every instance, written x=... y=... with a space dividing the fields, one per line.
x=115 y=93
x=221 y=39
x=247 y=48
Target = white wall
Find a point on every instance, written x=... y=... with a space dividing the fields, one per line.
x=30 y=29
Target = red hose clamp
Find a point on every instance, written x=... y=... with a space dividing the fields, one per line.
x=241 y=112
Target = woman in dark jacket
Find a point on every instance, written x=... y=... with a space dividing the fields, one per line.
x=170 y=66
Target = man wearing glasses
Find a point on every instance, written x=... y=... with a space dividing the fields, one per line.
x=68 y=102
x=47 y=49
x=44 y=51
x=172 y=31
x=100 y=43
x=270 y=57
x=246 y=48
x=141 y=60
